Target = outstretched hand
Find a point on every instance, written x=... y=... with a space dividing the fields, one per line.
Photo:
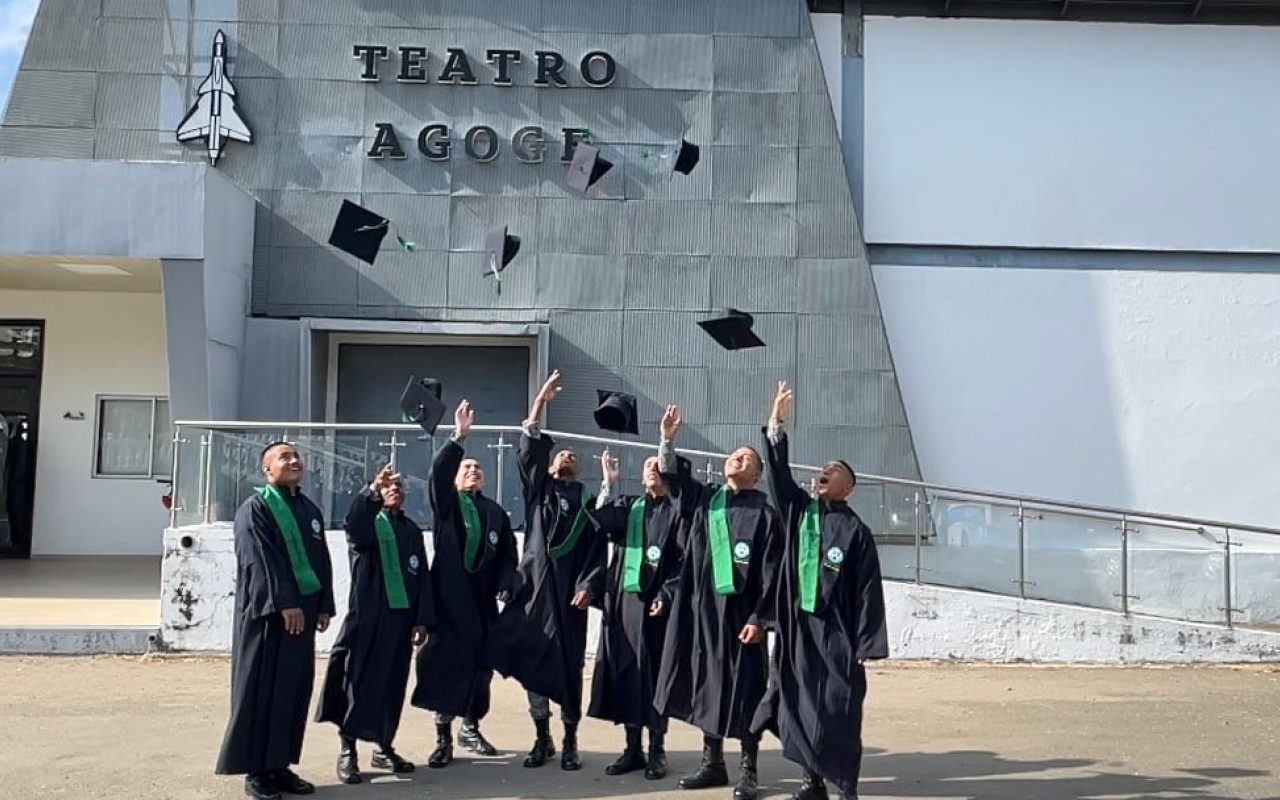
x=781 y=402
x=670 y=424
x=550 y=387
x=608 y=468
x=386 y=477
x=463 y=418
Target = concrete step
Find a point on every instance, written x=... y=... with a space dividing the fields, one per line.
x=76 y=640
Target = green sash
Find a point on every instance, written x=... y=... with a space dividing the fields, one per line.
x=633 y=555
x=810 y=545
x=471 y=520
x=579 y=524
x=718 y=539
x=392 y=577
x=308 y=583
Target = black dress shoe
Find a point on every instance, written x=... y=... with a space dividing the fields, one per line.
x=442 y=756
x=813 y=788
x=712 y=772
x=349 y=768
x=290 y=783
x=473 y=740
x=261 y=787
x=387 y=758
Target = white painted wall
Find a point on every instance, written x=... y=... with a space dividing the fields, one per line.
x=95 y=343
x=828 y=34
x=1147 y=390
x=1054 y=134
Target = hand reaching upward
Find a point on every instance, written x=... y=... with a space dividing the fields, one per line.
x=781 y=402
x=463 y=418
x=670 y=424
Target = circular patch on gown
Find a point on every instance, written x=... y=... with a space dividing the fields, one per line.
x=315 y=525
x=413 y=562
x=493 y=537
x=835 y=555
x=742 y=551
x=653 y=554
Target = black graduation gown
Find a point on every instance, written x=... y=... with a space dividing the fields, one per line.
x=368 y=671
x=452 y=677
x=708 y=678
x=816 y=689
x=541 y=639
x=272 y=672
x=630 y=650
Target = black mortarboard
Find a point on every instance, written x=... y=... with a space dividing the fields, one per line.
x=616 y=412
x=732 y=330
x=501 y=248
x=587 y=167
x=421 y=403
x=687 y=156
x=359 y=231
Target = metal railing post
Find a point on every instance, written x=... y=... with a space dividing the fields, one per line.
x=502 y=445
x=173 y=477
x=1227 y=606
x=1124 y=564
x=1022 y=552
x=206 y=445
x=919 y=539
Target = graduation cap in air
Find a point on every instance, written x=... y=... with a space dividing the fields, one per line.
x=587 y=167
x=616 y=412
x=732 y=329
x=500 y=247
x=360 y=232
x=421 y=403
x=686 y=157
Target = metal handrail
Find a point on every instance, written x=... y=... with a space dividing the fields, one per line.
x=1086 y=509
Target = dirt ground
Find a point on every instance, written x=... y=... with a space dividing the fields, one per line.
x=150 y=728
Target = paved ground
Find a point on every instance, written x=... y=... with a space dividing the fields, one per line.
x=149 y=728
x=122 y=591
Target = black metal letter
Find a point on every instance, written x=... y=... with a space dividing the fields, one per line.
x=412 y=70
x=372 y=54
x=571 y=138
x=469 y=143
x=385 y=142
x=458 y=66
x=610 y=68
x=529 y=144
x=550 y=66
x=504 y=59
x=435 y=148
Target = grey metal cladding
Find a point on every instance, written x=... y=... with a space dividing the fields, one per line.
x=504 y=176
x=486 y=14
x=53 y=99
x=778 y=331
x=852 y=341
x=660 y=339
x=312 y=276
x=135 y=46
x=657 y=387
x=667 y=282
x=586 y=338
x=418 y=278
x=744 y=395
x=670 y=16
x=136 y=145
x=575 y=281
x=573 y=15
x=243 y=10
x=407 y=106
x=304 y=219
x=753 y=229
x=422 y=219
x=259 y=281
x=834 y=286
x=755 y=174
x=756 y=119
x=252 y=168
x=321 y=52
x=472 y=218
x=664 y=117
x=45 y=142
x=257 y=101
x=62 y=43
x=572 y=409
x=759 y=284
x=827 y=231
x=669 y=61
x=471 y=285
x=858 y=398
x=579 y=225
x=410 y=176
x=754 y=64
x=322 y=12
x=817 y=121
x=664 y=228
x=821 y=177
x=321 y=163
x=604 y=113
x=725 y=438
x=253 y=49
x=758 y=17
x=320 y=108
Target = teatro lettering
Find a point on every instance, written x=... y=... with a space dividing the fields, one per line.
x=435 y=141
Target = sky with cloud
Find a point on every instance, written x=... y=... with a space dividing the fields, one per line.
x=15 y=25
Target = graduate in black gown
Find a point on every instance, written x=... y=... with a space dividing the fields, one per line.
x=284 y=597
x=714 y=671
x=648 y=548
x=474 y=567
x=830 y=621
x=389 y=613
x=541 y=637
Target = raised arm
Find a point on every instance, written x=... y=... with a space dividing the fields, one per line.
x=444 y=468
x=361 y=515
x=786 y=491
x=611 y=511
x=684 y=490
x=534 y=454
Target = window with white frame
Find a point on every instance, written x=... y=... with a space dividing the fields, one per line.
x=134 y=437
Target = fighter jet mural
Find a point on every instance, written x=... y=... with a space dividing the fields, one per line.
x=214 y=117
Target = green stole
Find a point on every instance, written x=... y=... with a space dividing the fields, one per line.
x=718 y=539
x=633 y=555
x=308 y=583
x=579 y=524
x=810 y=547
x=392 y=577
x=471 y=521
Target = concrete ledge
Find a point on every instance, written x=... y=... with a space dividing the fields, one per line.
x=67 y=640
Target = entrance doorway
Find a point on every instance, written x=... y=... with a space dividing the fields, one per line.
x=21 y=368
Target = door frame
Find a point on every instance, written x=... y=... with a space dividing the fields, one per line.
x=24 y=552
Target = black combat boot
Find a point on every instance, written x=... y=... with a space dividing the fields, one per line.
x=569 y=761
x=385 y=757
x=712 y=772
x=748 y=782
x=348 y=767
x=443 y=754
x=632 y=757
x=813 y=788
x=543 y=745
x=471 y=738
x=656 y=768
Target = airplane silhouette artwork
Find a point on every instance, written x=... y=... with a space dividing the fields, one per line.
x=214 y=117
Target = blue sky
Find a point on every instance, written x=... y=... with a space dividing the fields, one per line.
x=15 y=24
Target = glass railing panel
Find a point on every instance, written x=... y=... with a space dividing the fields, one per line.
x=972 y=544
x=188 y=503
x=1176 y=572
x=1255 y=574
x=1073 y=559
